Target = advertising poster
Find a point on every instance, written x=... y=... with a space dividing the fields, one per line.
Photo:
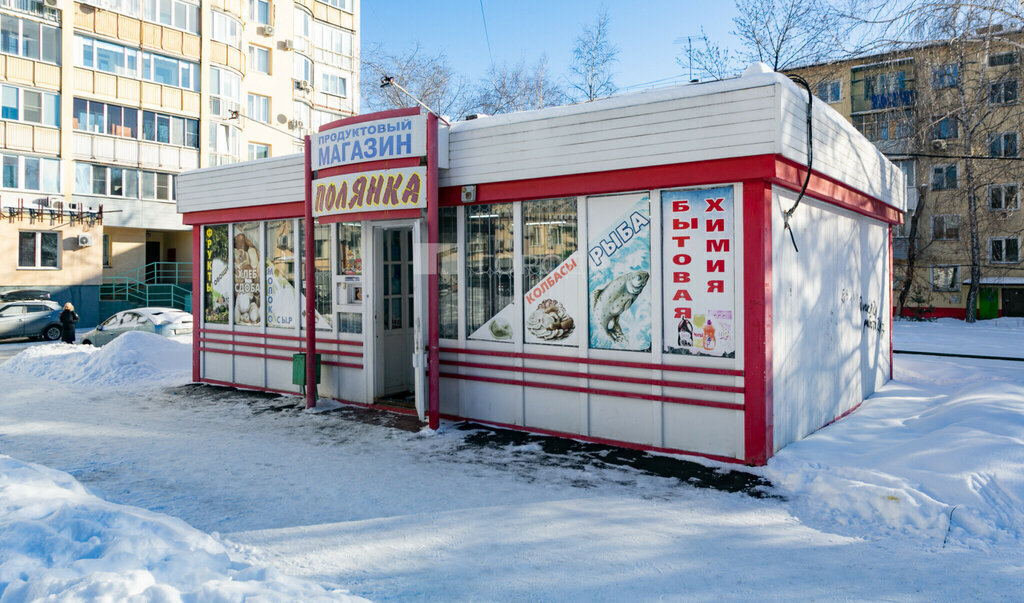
x=282 y=301
x=619 y=268
x=551 y=306
x=245 y=247
x=217 y=292
x=699 y=272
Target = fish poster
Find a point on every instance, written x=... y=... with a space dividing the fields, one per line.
x=245 y=245
x=619 y=271
x=551 y=306
x=217 y=282
x=698 y=278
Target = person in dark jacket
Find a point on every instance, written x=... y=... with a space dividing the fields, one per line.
x=68 y=318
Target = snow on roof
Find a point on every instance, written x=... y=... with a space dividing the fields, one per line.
x=999 y=280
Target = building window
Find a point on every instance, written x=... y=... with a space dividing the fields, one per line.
x=303 y=23
x=909 y=169
x=120 y=60
x=1003 y=144
x=944 y=177
x=107 y=247
x=258 y=150
x=885 y=125
x=259 y=108
x=1004 y=250
x=226 y=29
x=259 y=11
x=38 y=249
x=1002 y=58
x=225 y=91
x=946 y=278
x=831 y=91
x=29 y=39
x=259 y=59
x=339 y=4
x=157 y=185
x=30 y=106
x=1002 y=197
x=28 y=173
x=448 y=272
x=303 y=68
x=946 y=227
x=169 y=71
x=107 y=181
x=173 y=13
x=1003 y=93
x=946 y=76
x=946 y=128
x=489 y=247
x=333 y=84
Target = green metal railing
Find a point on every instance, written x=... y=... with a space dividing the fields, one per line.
x=167 y=284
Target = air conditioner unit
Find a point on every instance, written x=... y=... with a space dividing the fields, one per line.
x=85 y=240
x=939 y=145
x=289 y=45
x=52 y=3
x=267 y=31
x=303 y=85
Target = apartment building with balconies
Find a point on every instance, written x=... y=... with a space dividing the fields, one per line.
x=104 y=102
x=949 y=115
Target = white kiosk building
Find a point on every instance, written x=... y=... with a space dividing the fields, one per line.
x=620 y=271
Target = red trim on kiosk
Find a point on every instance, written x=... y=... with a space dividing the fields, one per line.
x=358 y=119
x=757 y=321
x=198 y=297
x=276 y=211
x=433 y=266
x=309 y=270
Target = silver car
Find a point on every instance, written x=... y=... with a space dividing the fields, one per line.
x=36 y=319
x=168 y=322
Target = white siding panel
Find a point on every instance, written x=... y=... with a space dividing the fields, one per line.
x=252 y=183
x=840 y=151
x=554 y=410
x=826 y=359
x=702 y=429
x=574 y=140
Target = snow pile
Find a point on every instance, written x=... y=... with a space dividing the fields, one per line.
x=937 y=453
x=60 y=541
x=996 y=337
x=136 y=358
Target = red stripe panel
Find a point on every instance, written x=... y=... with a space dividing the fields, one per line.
x=598 y=362
x=272 y=357
x=616 y=378
x=600 y=392
x=279 y=347
x=285 y=337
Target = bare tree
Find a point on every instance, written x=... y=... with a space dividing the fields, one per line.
x=967 y=100
x=590 y=74
x=428 y=77
x=516 y=87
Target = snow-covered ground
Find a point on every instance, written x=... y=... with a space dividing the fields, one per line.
x=207 y=493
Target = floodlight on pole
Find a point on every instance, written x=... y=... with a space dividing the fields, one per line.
x=386 y=81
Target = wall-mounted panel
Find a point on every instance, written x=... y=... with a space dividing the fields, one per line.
x=190 y=102
x=128 y=90
x=219 y=53
x=105 y=84
x=235 y=59
x=172 y=40
x=190 y=46
x=47 y=76
x=171 y=98
x=20 y=70
x=85 y=17
x=47 y=140
x=715 y=431
x=151 y=35
x=151 y=94
x=19 y=136
x=106 y=23
x=129 y=30
x=83 y=81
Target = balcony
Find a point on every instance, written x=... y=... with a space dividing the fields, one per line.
x=138 y=153
x=36 y=8
x=883 y=86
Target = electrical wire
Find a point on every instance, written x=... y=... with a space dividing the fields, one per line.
x=810 y=158
x=487 y=36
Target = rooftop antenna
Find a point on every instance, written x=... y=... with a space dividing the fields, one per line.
x=689 y=52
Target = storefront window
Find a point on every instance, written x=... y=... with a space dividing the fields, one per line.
x=448 y=273
x=550 y=272
x=217 y=291
x=282 y=301
x=350 y=250
x=245 y=244
x=489 y=295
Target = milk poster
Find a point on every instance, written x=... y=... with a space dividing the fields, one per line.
x=618 y=271
x=698 y=279
x=282 y=299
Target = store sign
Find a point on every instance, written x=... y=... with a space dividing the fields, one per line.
x=382 y=190
x=699 y=262
x=619 y=267
x=392 y=138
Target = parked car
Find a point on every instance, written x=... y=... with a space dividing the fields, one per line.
x=36 y=319
x=22 y=294
x=168 y=322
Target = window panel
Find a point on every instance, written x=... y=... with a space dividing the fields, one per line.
x=50 y=51
x=99 y=180
x=10 y=102
x=10 y=34
x=148 y=185
x=946 y=227
x=97 y=117
x=130 y=127
x=30 y=39
x=946 y=278
x=50 y=175
x=30 y=177
x=489 y=247
x=49 y=249
x=51 y=110
x=27 y=249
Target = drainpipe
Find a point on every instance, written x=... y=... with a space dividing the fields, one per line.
x=310 y=277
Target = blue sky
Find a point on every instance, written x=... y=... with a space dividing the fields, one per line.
x=646 y=32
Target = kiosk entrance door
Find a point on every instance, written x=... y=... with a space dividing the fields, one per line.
x=397 y=308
